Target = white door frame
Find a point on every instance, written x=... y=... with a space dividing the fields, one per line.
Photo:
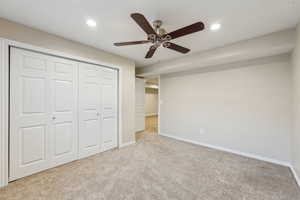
x=159 y=102
x=138 y=105
x=5 y=44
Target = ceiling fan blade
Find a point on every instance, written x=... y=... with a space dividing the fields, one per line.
x=199 y=26
x=143 y=23
x=151 y=51
x=176 y=47
x=131 y=43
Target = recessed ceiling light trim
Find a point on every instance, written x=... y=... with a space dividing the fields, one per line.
x=215 y=26
x=91 y=23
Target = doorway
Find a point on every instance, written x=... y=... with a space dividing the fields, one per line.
x=151 y=105
x=147 y=106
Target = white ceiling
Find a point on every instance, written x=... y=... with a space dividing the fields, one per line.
x=240 y=19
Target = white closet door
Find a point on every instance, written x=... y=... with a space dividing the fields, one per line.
x=30 y=113
x=43 y=112
x=64 y=132
x=139 y=104
x=49 y=101
x=89 y=110
x=109 y=109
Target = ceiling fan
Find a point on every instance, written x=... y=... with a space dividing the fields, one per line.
x=159 y=37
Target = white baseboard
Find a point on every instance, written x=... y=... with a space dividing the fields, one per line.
x=127 y=144
x=249 y=155
x=295 y=175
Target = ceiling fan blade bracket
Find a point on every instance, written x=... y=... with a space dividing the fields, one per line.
x=166 y=44
x=152 y=37
x=167 y=37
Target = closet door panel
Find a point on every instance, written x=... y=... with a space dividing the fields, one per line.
x=64 y=132
x=29 y=113
x=89 y=110
x=109 y=133
x=109 y=109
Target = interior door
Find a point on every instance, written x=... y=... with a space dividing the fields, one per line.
x=139 y=104
x=29 y=113
x=109 y=109
x=89 y=110
x=64 y=132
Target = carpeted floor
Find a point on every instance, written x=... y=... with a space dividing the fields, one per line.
x=159 y=168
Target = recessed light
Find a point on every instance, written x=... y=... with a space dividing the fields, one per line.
x=91 y=23
x=215 y=27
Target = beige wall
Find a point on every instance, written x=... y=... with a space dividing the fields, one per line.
x=20 y=33
x=247 y=109
x=296 y=90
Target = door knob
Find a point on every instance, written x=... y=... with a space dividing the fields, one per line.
x=98 y=114
x=53 y=118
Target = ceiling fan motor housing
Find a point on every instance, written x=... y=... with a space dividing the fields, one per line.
x=160 y=37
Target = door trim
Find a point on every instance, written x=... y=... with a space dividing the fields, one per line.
x=5 y=45
x=159 y=109
x=4 y=115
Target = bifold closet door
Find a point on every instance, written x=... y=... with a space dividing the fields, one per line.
x=64 y=111
x=49 y=102
x=90 y=102
x=98 y=111
x=109 y=109
x=43 y=112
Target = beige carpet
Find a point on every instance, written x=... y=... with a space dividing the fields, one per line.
x=159 y=168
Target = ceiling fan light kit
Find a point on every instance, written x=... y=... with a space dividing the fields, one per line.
x=159 y=36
